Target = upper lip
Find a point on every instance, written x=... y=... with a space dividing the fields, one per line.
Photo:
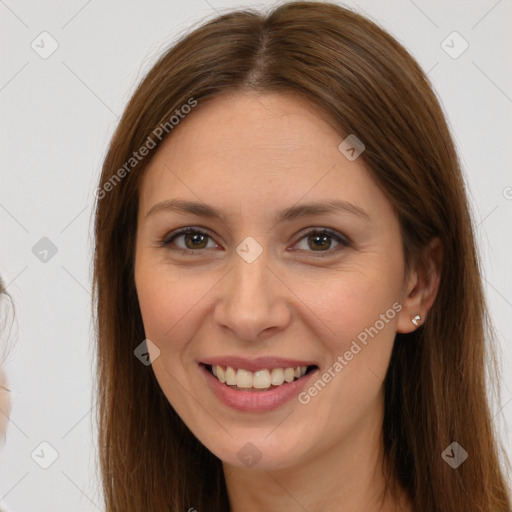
x=259 y=363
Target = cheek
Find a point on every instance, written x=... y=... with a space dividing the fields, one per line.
x=360 y=309
x=168 y=302
x=354 y=301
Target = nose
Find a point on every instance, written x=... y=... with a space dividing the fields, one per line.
x=254 y=302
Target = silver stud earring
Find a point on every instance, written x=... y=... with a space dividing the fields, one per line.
x=416 y=320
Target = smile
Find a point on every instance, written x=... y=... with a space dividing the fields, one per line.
x=265 y=379
x=252 y=399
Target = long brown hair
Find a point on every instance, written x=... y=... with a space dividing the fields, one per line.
x=435 y=387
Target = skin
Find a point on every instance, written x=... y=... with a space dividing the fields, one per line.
x=5 y=402
x=252 y=155
x=5 y=405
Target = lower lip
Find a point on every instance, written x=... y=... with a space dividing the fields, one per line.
x=255 y=401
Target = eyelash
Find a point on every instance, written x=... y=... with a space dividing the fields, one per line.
x=344 y=241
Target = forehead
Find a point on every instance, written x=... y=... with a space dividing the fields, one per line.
x=255 y=148
x=271 y=126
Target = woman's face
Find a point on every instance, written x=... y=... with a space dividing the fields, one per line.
x=254 y=283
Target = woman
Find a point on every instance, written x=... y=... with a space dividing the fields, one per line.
x=5 y=402
x=289 y=302
x=5 y=408
x=5 y=405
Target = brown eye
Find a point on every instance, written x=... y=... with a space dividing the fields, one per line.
x=320 y=241
x=196 y=240
x=193 y=239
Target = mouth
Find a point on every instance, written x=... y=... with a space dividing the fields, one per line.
x=263 y=380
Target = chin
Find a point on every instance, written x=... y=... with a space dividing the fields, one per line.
x=258 y=454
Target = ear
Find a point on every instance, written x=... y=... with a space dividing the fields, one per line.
x=421 y=286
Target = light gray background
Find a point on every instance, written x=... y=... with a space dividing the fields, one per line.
x=57 y=115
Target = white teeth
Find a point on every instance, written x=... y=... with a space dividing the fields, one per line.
x=244 y=379
x=261 y=379
x=230 y=376
x=277 y=376
x=289 y=374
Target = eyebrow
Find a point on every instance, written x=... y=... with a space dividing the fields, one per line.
x=289 y=214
